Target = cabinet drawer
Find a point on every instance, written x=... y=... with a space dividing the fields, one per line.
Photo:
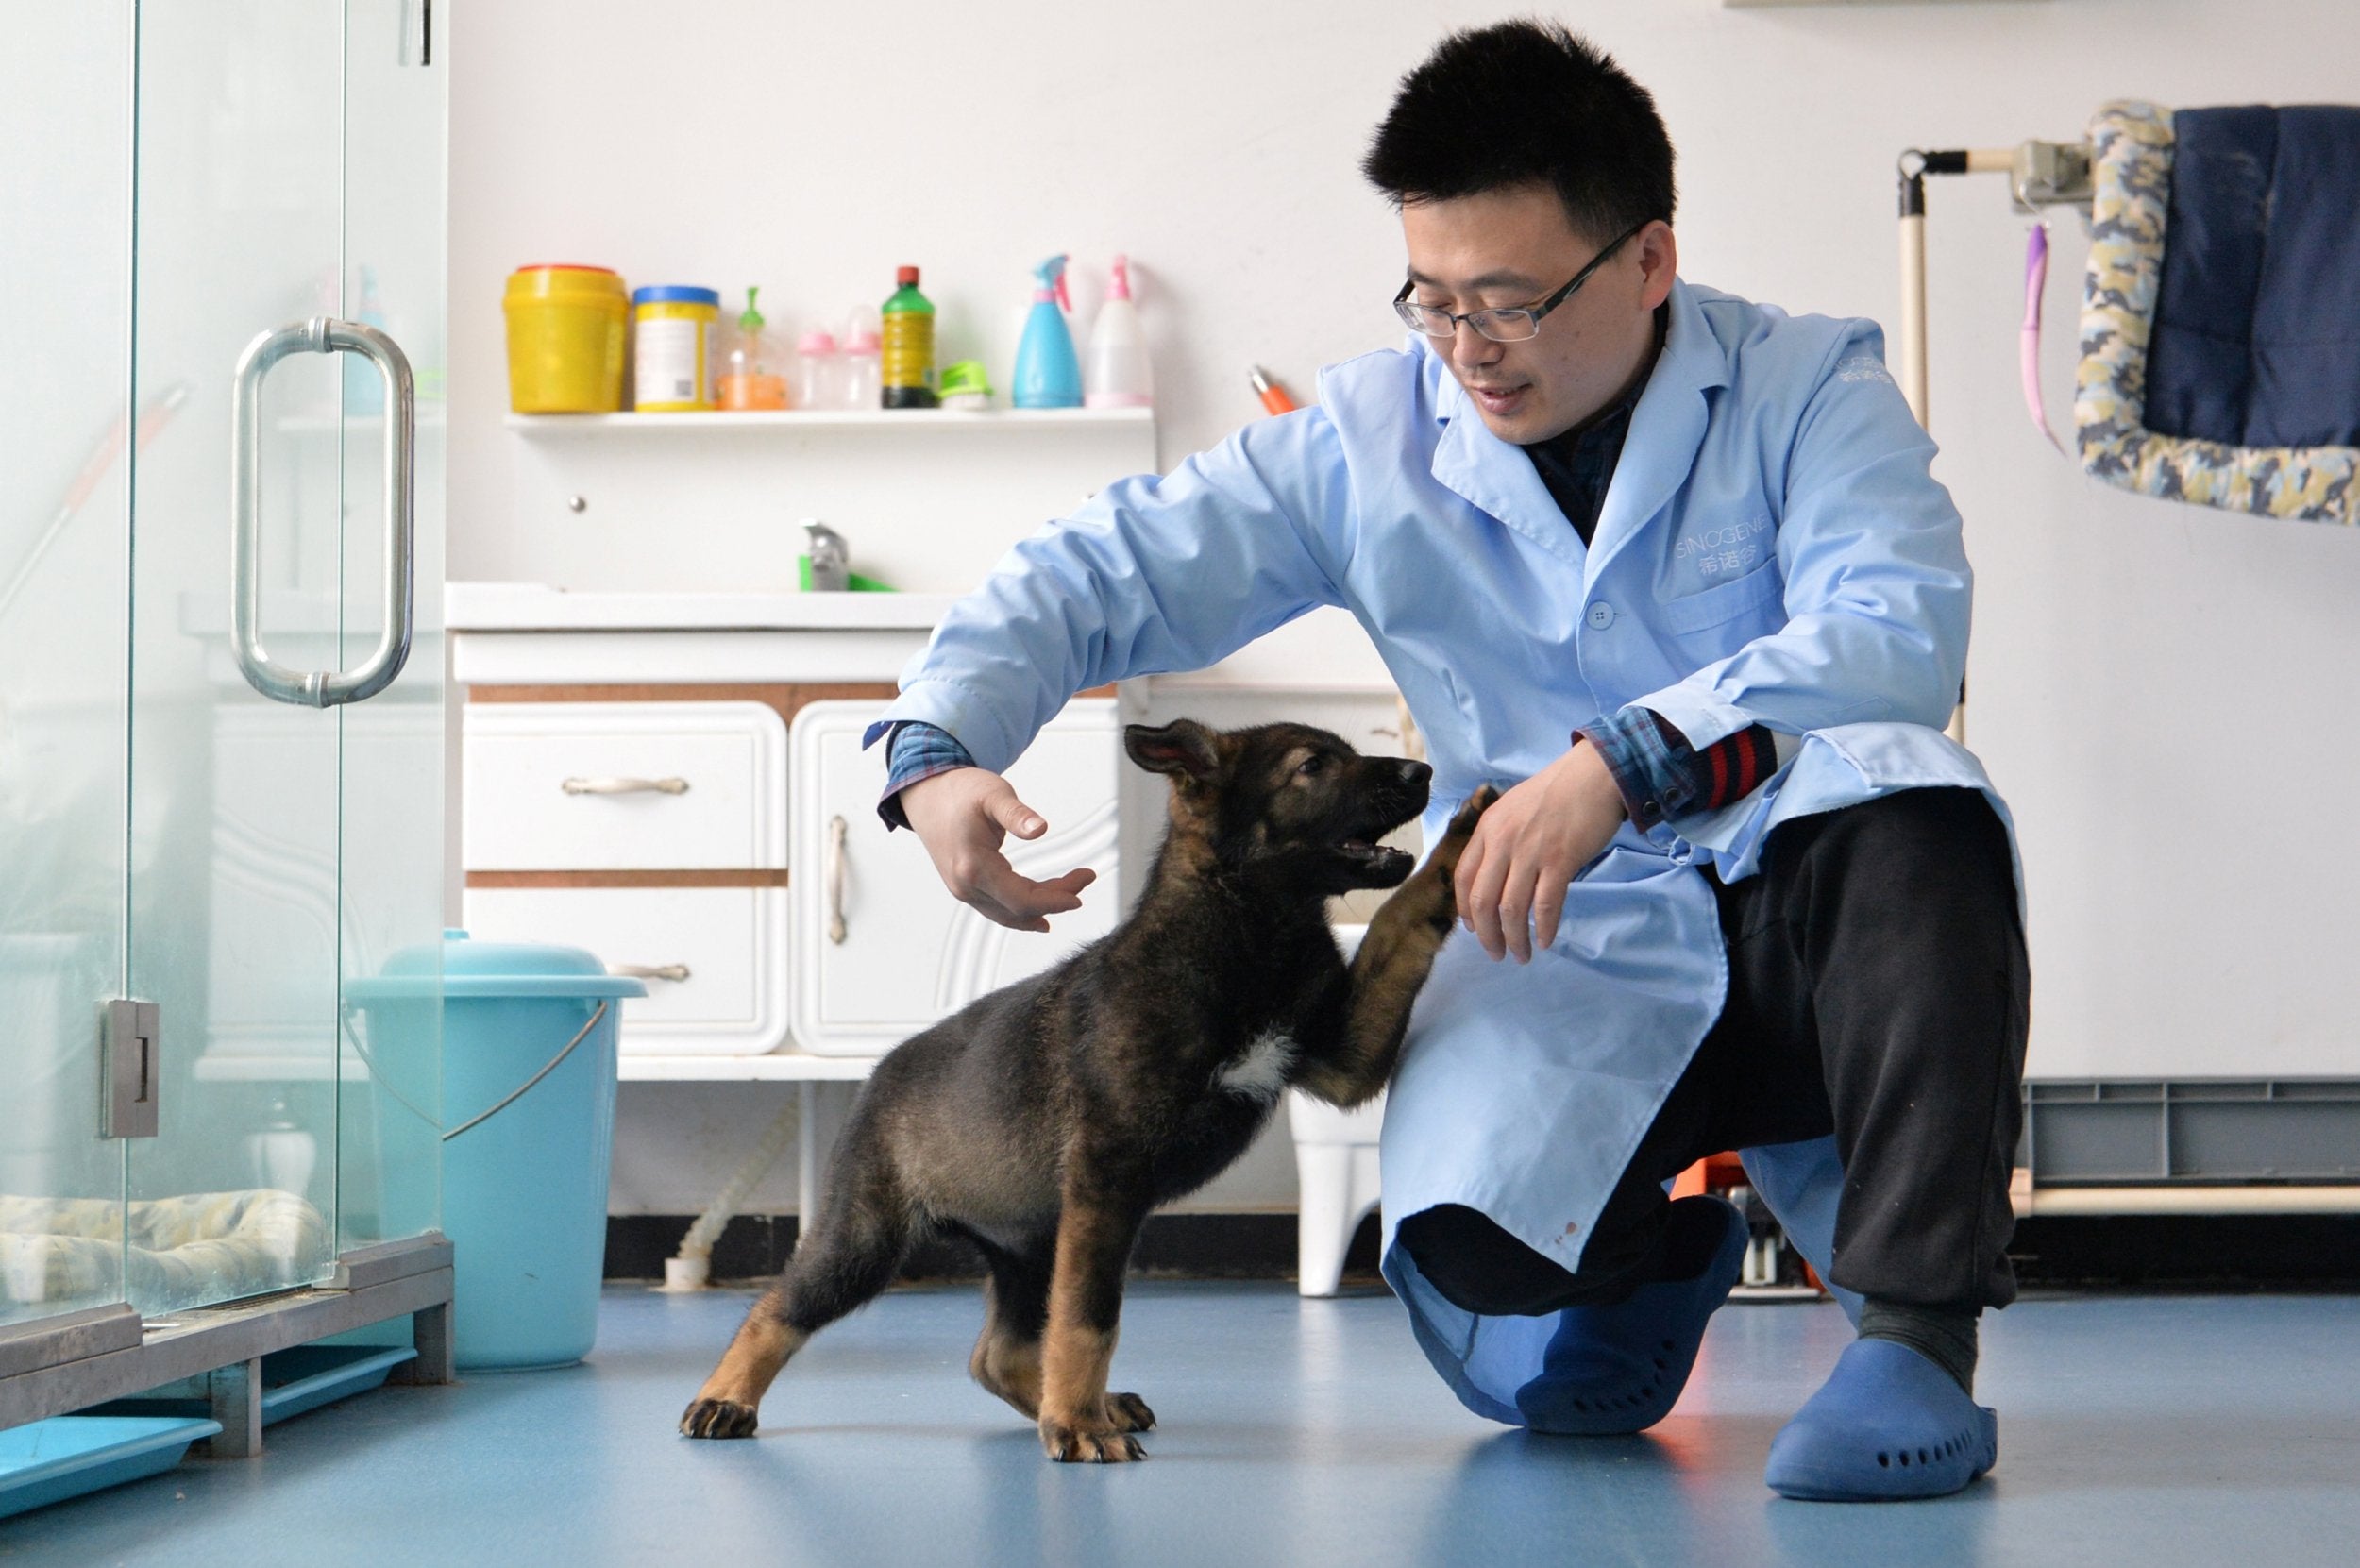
x=720 y=953
x=623 y=786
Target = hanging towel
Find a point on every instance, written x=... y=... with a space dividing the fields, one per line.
x=2220 y=323
x=2257 y=314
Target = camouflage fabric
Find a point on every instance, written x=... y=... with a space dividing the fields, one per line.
x=2131 y=145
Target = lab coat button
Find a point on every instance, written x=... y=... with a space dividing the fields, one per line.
x=1601 y=614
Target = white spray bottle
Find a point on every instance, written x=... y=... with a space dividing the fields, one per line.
x=1116 y=375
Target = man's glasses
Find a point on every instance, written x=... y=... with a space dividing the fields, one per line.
x=1504 y=325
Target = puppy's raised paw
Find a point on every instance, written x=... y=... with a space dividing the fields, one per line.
x=718 y=1417
x=1441 y=905
x=1462 y=824
x=1083 y=1445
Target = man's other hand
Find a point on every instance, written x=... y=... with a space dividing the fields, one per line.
x=1511 y=880
x=961 y=816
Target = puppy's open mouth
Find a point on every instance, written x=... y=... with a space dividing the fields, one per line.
x=1378 y=859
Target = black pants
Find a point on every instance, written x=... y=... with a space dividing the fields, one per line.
x=1878 y=990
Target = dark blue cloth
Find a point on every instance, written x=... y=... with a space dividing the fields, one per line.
x=2257 y=319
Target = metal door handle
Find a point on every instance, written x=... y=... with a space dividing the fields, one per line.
x=837 y=928
x=625 y=786
x=649 y=971
x=321 y=688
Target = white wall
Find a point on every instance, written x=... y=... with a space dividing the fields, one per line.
x=2157 y=689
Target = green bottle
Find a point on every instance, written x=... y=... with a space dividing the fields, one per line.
x=907 y=364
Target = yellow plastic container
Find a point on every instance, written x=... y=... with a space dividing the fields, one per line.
x=566 y=339
x=672 y=348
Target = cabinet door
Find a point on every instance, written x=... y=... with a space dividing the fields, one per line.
x=881 y=949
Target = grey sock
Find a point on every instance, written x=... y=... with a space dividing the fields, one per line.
x=1943 y=1335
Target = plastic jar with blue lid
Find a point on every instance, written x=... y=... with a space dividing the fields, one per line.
x=673 y=347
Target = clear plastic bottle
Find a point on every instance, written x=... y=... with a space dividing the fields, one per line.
x=1118 y=374
x=818 y=372
x=862 y=385
x=750 y=377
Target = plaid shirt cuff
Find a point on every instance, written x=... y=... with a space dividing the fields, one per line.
x=916 y=751
x=1662 y=779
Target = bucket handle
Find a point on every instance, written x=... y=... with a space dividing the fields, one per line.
x=550 y=1066
x=518 y=1093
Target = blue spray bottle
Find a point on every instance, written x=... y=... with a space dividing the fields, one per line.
x=1048 y=375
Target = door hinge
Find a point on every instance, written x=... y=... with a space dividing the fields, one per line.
x=129 y=1068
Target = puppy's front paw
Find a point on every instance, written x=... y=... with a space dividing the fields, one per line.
x=1129 y=1413
x=1462 y=826
x=1441 y=871
x=718 y=1417
x=1074 y=1443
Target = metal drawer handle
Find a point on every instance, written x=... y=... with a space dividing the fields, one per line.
x=836 y=929
x=649 y=971
x=625 y=786
x=321 y=688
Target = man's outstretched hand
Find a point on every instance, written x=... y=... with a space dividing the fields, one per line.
x=1511 y=880
x=963 y=816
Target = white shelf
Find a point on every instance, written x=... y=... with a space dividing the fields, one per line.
x=535 y=607
x=792 y=1067
x=827 y=420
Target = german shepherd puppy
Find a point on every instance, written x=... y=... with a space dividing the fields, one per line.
x=1044 y=1121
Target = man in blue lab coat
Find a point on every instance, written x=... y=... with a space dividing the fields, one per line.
x=1671 y=566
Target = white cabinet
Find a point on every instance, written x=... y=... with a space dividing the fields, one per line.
x=879 y=950
x=755 y=705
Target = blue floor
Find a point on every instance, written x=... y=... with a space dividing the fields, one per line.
x=2137 y=1430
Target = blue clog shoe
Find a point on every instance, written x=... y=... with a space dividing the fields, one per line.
x=1614 y=1370
x=1887 y=1425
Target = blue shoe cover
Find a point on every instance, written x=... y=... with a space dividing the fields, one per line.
x=1614 y=1370
x=1888 y=1424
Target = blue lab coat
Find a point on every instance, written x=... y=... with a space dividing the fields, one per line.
x=1772 y=549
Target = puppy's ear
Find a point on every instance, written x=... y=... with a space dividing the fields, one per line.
x=1183 y=748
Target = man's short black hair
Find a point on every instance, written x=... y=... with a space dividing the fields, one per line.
x=1527 y=103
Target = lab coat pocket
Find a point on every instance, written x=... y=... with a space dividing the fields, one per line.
x=1724 y=602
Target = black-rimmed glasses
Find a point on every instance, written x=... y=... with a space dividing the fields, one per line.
x=1513 y=324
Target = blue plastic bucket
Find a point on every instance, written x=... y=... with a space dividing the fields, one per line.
x=528 y=1035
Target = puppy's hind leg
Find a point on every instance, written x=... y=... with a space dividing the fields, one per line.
x=1015 y=1310
x=863 y=1232
x=1007 y=1358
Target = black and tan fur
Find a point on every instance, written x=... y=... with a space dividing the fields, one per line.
x=1045 y=1121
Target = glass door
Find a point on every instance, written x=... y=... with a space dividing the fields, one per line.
x=69 y=430
x=178 y=180
x=284 y=821
x=391 y=786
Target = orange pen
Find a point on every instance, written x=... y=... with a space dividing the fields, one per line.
x=1273 y=396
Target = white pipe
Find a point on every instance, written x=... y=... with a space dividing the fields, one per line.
x=1914 y=361
x=692 y=1266
x=2043 y=1202
x=1913 y=313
